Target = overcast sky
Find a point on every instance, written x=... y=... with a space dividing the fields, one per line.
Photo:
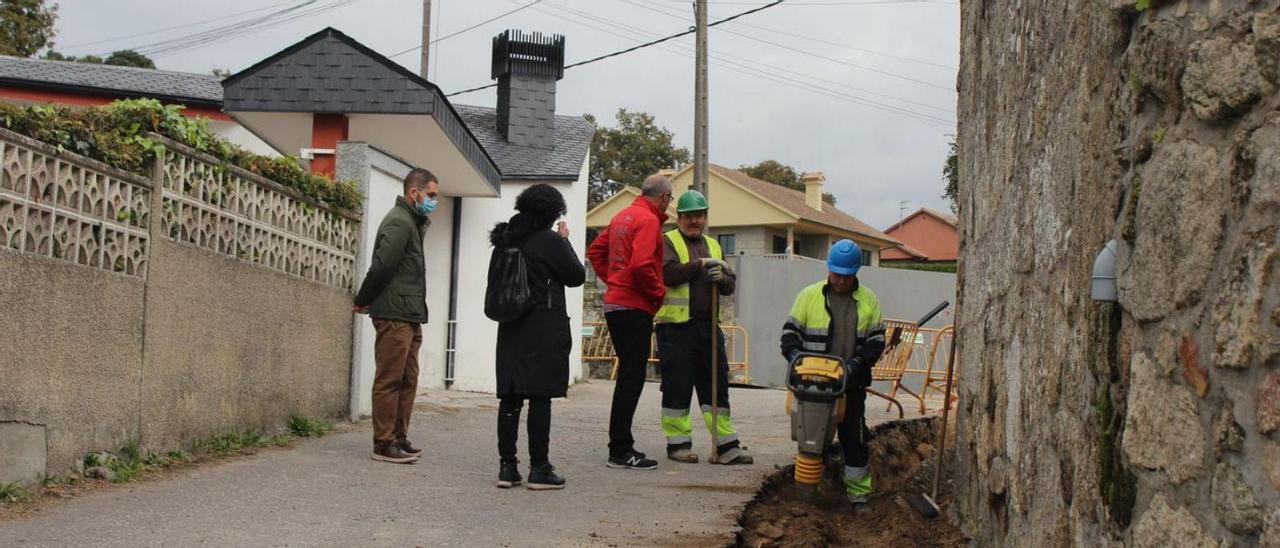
x=863 y=90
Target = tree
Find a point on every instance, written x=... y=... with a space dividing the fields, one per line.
x=781 y=174
x=26 y=26
x=130 y=58
x=123 y=58
x=627 y=153
x=951 y=174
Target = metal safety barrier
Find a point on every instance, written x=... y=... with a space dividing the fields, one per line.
x=597 y=346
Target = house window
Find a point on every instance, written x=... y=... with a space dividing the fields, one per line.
x=866 y=258
x=779 y=244
x=728 y=244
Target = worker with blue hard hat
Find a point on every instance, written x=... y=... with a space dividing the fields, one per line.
x=840 y=317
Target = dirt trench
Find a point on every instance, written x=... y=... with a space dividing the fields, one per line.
x=903 y=461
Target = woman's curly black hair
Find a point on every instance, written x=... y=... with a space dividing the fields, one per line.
x=542 y=202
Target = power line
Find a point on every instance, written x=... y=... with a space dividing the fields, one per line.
x=644 y=45
x=160 y=46
x=840 y=61
x=838 y=3
x=756 y=72
x=188 y=25
x=293 y=13
x=472 y=27
x=831 y=59
x=752 y=64
x=802 y=37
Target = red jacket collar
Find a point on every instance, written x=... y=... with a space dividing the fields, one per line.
x=647 y=205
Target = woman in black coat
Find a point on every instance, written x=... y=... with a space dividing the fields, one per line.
x=533 y=352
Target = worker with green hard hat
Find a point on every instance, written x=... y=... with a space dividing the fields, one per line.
x=692 y=267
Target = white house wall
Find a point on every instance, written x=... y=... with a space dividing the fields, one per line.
x=239 y=135
x=382 y=190
x=477 y=335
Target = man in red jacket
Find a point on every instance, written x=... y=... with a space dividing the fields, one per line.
x=627 y=255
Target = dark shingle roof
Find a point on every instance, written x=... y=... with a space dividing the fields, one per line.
x=111 y=80
x=573 y=140
x=329 y=72
x=340 y=73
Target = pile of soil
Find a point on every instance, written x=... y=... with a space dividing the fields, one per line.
x=903 y=462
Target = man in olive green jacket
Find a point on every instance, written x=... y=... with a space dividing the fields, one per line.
x=394 y=295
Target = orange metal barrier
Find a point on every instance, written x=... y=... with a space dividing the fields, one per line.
x=598 y=347
x=900 y=337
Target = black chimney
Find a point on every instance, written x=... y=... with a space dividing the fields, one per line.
x=527 y=67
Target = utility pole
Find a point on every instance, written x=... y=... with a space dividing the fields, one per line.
x=426 y=37
x=700 y=103
x=700 y=182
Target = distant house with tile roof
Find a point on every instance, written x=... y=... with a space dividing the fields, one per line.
x=755 y=217
x=927 y=235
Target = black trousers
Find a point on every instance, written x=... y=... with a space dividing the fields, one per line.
x=853 y=432
x=539 y=424
x=631 y=332
x=684 y=356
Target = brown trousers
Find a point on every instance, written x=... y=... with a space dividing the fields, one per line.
x=395 y=384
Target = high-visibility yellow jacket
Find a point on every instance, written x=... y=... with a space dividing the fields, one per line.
x=675 y=305
x=808 y=328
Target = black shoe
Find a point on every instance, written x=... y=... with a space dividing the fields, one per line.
x=509 y=475
x=407 y=447
x=544 y=478
x=392 y=453
x=634 y=460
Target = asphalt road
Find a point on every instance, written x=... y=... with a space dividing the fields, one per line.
x=328 y=492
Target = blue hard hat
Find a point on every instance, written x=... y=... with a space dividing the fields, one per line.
x=845 y=258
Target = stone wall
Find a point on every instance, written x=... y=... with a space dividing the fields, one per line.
x=164 y=308
x=1154 y=421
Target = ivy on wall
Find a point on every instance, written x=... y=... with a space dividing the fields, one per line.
x=116 y=134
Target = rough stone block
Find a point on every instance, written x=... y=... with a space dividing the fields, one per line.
x=1268 y=404
x=1234 y=502
x=1228 y=434
x=1157 y=57
x=23 y=452
x=1162 y=429
x=1161 y=526
x=1223 y=79
x=1195 y=375
x=1271 y=531
x=1271 y=463
x=1237 y=316
x=1179 y=220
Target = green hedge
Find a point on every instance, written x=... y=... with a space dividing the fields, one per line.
x=927 y=267
x=116 y=134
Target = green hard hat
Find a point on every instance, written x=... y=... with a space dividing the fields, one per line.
x=691 y=201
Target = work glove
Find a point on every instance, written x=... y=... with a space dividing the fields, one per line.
x=710 y=263
x=715 y=274
x=858 y=372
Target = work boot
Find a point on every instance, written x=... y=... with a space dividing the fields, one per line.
x=634 y=460
x=407 y=447
x=861 y=505
x=544 y=478
x=509 y=475
x=392 y=453
x=682 y=454
x=734 y=455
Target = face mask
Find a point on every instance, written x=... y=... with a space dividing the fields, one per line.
x=426 y=206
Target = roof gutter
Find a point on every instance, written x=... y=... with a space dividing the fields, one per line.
x=107 y=92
